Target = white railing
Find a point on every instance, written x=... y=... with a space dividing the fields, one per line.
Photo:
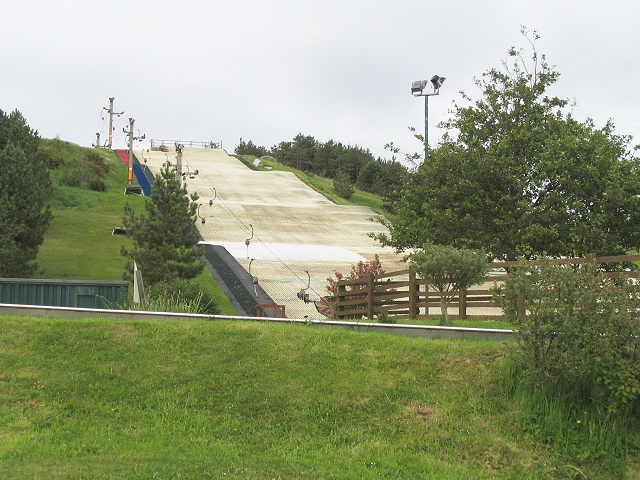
x=156 y=144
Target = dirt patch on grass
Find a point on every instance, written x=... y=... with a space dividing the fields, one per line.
x=422 y=412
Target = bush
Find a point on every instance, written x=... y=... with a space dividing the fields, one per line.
x=97 y=164
x=343 y=186
x=180 y=296
x=580 y=336
x=360 y=270
x=88 y=173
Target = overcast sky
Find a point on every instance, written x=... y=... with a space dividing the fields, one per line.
x=267 y=70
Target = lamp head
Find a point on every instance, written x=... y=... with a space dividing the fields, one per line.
x=437 y=82
x=418 y=86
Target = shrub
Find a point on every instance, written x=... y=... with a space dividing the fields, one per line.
x=360 y=270
x=343 y=186
x=180 y=296
x=579 y=334
x=87 y=173
x=97 y=164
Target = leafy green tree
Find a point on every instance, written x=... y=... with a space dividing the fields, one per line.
x=381 y=177
x=522 y=177
x=165 y=241
x=448 y=270
x=25 y=192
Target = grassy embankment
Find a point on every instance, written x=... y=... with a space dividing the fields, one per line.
x=111 y=399
x=79 y=244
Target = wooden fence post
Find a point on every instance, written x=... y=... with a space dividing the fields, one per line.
x=339 y=300
x=371 y=301
x=462 y=302
x=414 y=290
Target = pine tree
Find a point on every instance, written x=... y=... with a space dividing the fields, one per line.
x=165 y=241
x=25 y=191
x=343 y=186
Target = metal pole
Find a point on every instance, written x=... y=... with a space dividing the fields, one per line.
x=426 y=126
x=111 y=99
x=111 y=114
x=130 y=166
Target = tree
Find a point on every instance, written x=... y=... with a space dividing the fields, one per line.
x=521 y=177
x=381 y=177
x=343 y=186
x=25 y=192
x=325 y=161
x=249 y=148
x=297 y=154
x=165 y=241
x=448 y=270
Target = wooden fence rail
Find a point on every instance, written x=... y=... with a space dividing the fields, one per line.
x=404 y=296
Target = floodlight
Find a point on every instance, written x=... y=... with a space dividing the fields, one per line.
x=437 y=82
x=418 y=86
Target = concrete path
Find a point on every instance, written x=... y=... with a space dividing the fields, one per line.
x=295 y=229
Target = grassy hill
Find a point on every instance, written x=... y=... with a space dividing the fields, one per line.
x=111 y=399
x=79 y=244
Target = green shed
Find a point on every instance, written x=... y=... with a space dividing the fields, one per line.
x=63 y=293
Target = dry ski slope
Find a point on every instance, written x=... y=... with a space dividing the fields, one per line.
x=295 y=229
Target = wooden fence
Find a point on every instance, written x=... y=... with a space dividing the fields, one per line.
x=404 y=296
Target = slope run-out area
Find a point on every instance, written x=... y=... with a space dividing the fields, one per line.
x=290 y=228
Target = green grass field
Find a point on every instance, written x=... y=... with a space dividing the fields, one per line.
x=110 y=399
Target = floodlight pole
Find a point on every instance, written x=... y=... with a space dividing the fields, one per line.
x=426 y=120
x=426 y=125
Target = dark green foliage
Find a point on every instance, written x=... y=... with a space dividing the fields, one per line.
x=580 y=339
x=343 y=186
x=166 y=239
x=448 y=270
x=249 y=148
x=180 y=291
x=25 y=192
x=87 y=172
x=298 y=153
x=522 y=177
x=380 y=177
